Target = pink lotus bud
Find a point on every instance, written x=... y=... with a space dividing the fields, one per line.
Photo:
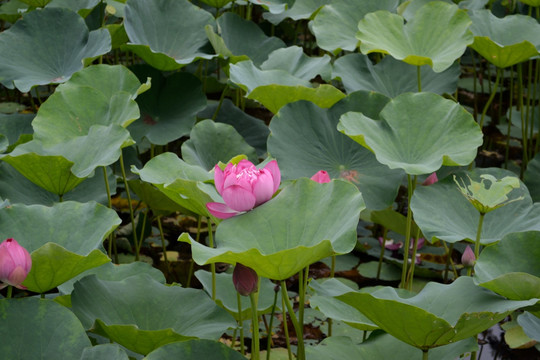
x=468 y=259
x=15 y=264
x=321 y=177
x=243 y=187
x=245 y=279
x=390 y=244
x=431 y=179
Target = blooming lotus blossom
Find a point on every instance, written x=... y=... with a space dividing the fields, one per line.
x=245 y=280
x=243 y=187
x=15 y=264
x=321 y=177
x=468 y=259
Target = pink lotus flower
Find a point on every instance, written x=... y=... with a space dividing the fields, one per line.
x=321 y=177
x=468 y=259
x=390 y=244
x=245 y=280
x=243 y=187
x=431 y=179
x=15 y=264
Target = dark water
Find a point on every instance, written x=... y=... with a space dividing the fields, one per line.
x=493 y=347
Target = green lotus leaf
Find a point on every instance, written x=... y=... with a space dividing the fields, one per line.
x=298 y=10
x=11 y=11
x=155 y=199
x=442 y=314
x=40 y=329
x=62 y=239
x=157 y=32
x=510 y=267
x=131 y=312
x=218 y=4
x=104 y=351
x=417 y=133
x=241 y=39
x=391 y=77
x=226 y=294
x=293 y=60
x=336 y=24
x=253 y=130
x=534 y=3
x=113 y=272
x=82 y=7
x=169 y=108
x=436 y=36
x=211 y=142
x=304 y=140
x=181 y=182
x=195 y=350
x=505 y=41
x=458 y=218
x=530 y=325
x=13 y=126
x=36 y=3
x=265 y=240
x=531 y=178
x=380 y=345
x=57 y=37
x=249 y=77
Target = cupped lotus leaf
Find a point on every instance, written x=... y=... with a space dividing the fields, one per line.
x=436 y=36
x=195 y=350
x=113 y=272
x=274 y=6
x=442 y=314
x=293 y=60
x=249 y=77
x=300 y=9
x=69 y=230
x=380 y=345
x=505 y=41
x=266 y=240
x=304 y=140
x=510 y=267
x=241 y=39
x=226 y=294
x=181 y=182
x=169 y=108
x=210 y=142
x=57 y=37
x=104 y=351
x=336 y=24
x=131 y=312
x=418 y=132
x=458 y=218
x=252 y=129
x=531 y=178
x=35 y=328
x=391 y=77
x=157 y=32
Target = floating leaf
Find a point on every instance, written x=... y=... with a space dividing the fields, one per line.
x=264 y=240
x=57 y=37
x=417 y=133
x=446 y=40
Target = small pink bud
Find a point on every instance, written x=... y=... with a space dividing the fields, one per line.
x=15 y=264
x=245 y=279
x=468 y=259
x=431 y=179
x=321 y=177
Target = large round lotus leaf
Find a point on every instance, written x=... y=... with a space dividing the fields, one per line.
x=143 y=314
x=252 y=129
x=167 y=34
x=294 y=61
x=104 y=351
x=47 y=46
x=436 y=36
x=275 y=88
x=300 y=9
x=442 y=314
x=380 y=345
x=181 y=182
x=531 y=178
x=195 y=350
x=40 y=329
x=304 y=140
x=458 y=218
x=226 y=294
x=210 y=142
x=505 y=41
x=82 y=7
x=63 y=239
x=241 y=39
x=155 y=199
x=391 y=77
x=336 y=24
x=417 y=132
x=169 y=108
x=264 y=239
x=113 y=272
x=511 y=267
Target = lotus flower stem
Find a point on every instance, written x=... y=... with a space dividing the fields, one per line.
x=509 y=128
x=300 y=354
x=449 y=261
x=302 y=285
x=162 y=236
x=286 y=328
x=9 y=292
x=491 y=97
x=240 y=323
x=381 y=256
x=221 y=98
x=478 y=235
x=131 y=212
x=536 y=74
x=413 y=261
x=255 y=352
x=269 y=337
x=197 y=239
x=524 y=135
x=212 y=265
x=425 y=354
x=109 y=202
x=419 y=78
x=410 y=190
x=333 y=266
